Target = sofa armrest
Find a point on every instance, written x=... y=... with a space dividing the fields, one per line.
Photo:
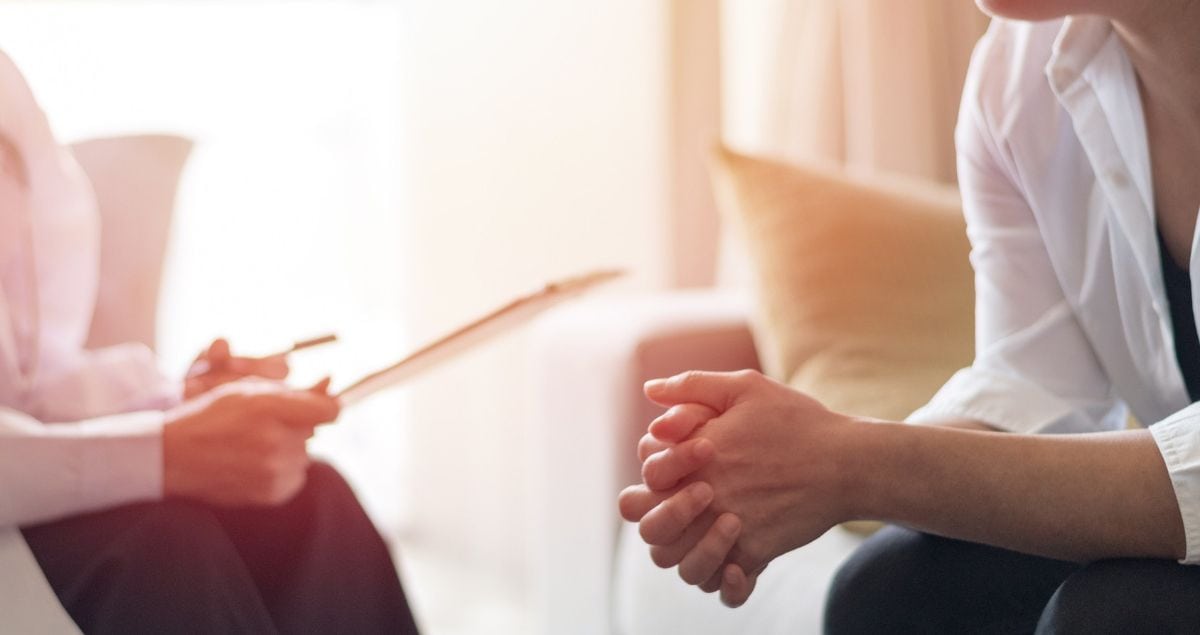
x=591 y=360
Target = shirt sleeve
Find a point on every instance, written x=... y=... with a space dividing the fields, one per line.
x=1178 y=439
x=73 y=468
x=83 y=384
x=1034 y=368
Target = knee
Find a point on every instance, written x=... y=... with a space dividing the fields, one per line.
x=323 y=477
x=882 y=583
x=327 y=499
x=325 y=487
x=1121 y=596
x=176 y=534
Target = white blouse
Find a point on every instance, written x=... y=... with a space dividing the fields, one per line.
x=104 y=445
x=80 y=430
x=1073 y=327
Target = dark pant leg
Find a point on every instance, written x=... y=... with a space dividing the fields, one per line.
x=319 y=563
x=1126 y=596
x=904 y=581
x=149 y=568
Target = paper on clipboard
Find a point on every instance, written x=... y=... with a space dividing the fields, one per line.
x=493 y=324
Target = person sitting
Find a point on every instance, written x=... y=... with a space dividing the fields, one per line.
x=150 y=504
x=1023 y=502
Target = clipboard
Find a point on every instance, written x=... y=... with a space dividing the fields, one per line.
x=491 y=325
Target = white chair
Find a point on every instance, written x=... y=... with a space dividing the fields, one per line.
x=135 y=179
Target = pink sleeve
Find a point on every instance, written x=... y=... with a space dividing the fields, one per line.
x=96 y=383
x=72 y=468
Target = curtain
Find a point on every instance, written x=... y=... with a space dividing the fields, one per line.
x=873 y=84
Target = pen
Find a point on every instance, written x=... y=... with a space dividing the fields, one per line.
x=202 y=367
x=309 y=343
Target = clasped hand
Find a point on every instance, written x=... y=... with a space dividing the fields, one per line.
x=738 y=471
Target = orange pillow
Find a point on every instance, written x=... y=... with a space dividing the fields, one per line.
x=864 y=289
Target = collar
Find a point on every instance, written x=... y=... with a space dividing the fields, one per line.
x=1095 y=83
x=1079 y=41
x=1089 y=63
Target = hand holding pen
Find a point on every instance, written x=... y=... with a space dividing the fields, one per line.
x=216 y=365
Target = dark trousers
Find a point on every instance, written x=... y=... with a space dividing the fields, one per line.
x=903 y=581
x=313 y=565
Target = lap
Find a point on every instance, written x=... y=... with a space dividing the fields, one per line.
x=150 y=566
x=313 y=564
x=904 y=581
x=1126 y=596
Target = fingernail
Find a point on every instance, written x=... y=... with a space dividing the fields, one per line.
x=654 y=385
x=728 y=525
x=703 y=449
x=729 y=576
x=702 y=493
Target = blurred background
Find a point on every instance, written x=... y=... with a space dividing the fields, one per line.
x=389 y=169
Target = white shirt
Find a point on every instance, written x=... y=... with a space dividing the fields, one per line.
x=1073 y=328
x=105 y=447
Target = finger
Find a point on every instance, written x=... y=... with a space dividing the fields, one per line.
x=218 y=352
x=321 y=387
x=736 y=586
x=709 y=554
x=297 y=407
x=293 y=441
x=678 y=423
x=274 y=367
x=667 y=556
x=636 y=501
x=667 y=521
x=738 y=557
x=663 y=470
x=715 y=390
x=648 y=446
x=211 y=360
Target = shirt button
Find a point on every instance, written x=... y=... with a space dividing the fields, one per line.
x=1062 y=77
x=1118 y=177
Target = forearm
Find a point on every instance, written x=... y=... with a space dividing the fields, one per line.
x=52 y=471
x=1079 y=497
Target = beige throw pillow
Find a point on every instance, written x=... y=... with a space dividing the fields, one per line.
x=865 y=292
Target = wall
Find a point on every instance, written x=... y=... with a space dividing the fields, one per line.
x=536 y=146
x=388 y=170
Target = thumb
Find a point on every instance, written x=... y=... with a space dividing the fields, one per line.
x=309 y=407
x=218 y=352
x=718 y=391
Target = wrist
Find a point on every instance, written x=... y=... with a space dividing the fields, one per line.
x=174 y=433
x=874 y=466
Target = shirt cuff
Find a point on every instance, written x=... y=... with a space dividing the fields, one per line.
x=1178 y=439
x=122 y=460
x=116 y=379
x=49 y=472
